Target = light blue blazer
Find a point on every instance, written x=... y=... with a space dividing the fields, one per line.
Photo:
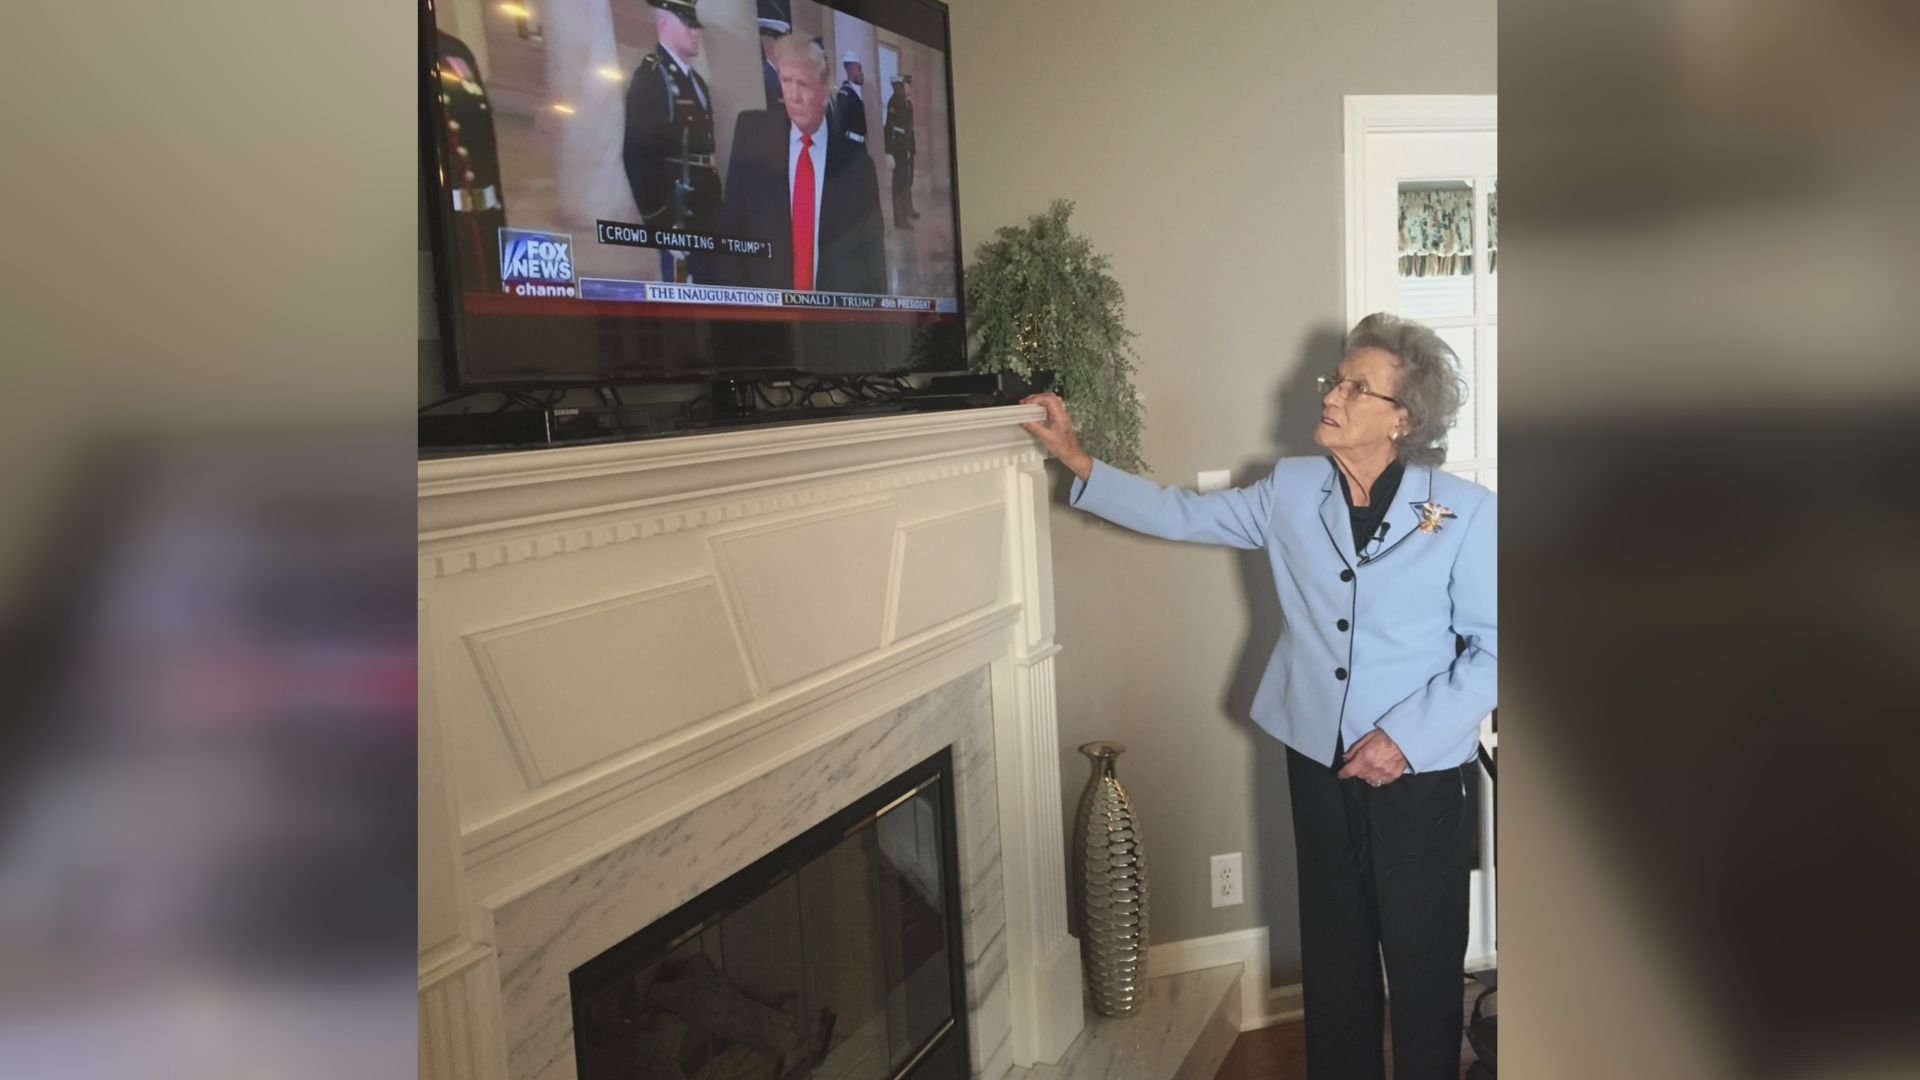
x=1368 y=637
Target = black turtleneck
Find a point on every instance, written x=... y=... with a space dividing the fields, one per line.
x=1367 y=518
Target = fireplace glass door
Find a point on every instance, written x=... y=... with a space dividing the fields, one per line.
x=835 y=958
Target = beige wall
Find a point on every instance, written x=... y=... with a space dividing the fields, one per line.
x=1203 y=146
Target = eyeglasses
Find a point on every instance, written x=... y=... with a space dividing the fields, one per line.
x=1348 y=388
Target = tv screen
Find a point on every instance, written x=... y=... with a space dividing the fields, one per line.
x=681 y=190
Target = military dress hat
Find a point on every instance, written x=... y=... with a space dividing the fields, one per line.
x=849 y=57
x=903 y=78
x=775 y=18
x=682 y=8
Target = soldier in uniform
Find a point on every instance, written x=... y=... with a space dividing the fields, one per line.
x=669 y=149
x=849 y=105
x=900 y=149
x=470 y=163
x=775 y=23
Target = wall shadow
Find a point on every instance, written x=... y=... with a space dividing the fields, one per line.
x=1296 y=412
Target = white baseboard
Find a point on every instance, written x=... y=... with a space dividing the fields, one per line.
x=1283 y=1006
x=1260 y=1005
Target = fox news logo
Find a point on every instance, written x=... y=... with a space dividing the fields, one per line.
x=536 y=263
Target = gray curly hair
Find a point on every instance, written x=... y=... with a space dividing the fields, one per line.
x=1431 y=389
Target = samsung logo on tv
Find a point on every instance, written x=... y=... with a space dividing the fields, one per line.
x=534 y=263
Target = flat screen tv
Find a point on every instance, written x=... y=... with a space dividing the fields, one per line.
x=685 y=190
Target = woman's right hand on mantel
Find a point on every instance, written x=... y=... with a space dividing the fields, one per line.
x=1056 y=434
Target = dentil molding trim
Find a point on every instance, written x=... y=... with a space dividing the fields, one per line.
x=481 y=512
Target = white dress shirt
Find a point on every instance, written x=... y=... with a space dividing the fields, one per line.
x=819 y=155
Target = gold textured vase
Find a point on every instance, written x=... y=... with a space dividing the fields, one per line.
x=1110 y=883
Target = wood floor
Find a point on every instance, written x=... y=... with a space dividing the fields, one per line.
x=1280 y=1052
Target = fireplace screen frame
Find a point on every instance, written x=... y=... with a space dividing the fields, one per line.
x=657 y=940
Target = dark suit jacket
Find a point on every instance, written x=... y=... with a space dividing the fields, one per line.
x=852 y=239
x=771 y=76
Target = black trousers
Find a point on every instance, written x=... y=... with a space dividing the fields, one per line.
x=903 y=188
x=1383 y=873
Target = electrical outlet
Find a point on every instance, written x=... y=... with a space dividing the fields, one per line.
x=1215 y=479
x=1226 y=880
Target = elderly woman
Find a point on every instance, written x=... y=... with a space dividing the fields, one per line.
x=1384 y=567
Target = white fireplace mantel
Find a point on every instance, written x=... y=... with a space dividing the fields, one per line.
x=621 y=642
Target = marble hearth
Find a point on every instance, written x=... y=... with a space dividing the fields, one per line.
x=645 y=666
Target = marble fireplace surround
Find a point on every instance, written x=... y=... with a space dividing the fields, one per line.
x=644 y=666
x=544 y=935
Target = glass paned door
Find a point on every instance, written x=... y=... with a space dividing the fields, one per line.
x=1423 y=243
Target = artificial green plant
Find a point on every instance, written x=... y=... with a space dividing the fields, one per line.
x=1040 y=300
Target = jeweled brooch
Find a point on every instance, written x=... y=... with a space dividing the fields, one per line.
x=1431 y=515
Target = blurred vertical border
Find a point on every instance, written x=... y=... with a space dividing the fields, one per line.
x=1709 y=380
x=207 y=761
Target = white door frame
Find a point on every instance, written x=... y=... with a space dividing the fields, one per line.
x=1397 y=114
x=1433 y=114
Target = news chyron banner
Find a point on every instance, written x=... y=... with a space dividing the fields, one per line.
x=664 y=292
x=540 y=264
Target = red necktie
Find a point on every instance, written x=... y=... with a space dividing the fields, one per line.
x=803 y=217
